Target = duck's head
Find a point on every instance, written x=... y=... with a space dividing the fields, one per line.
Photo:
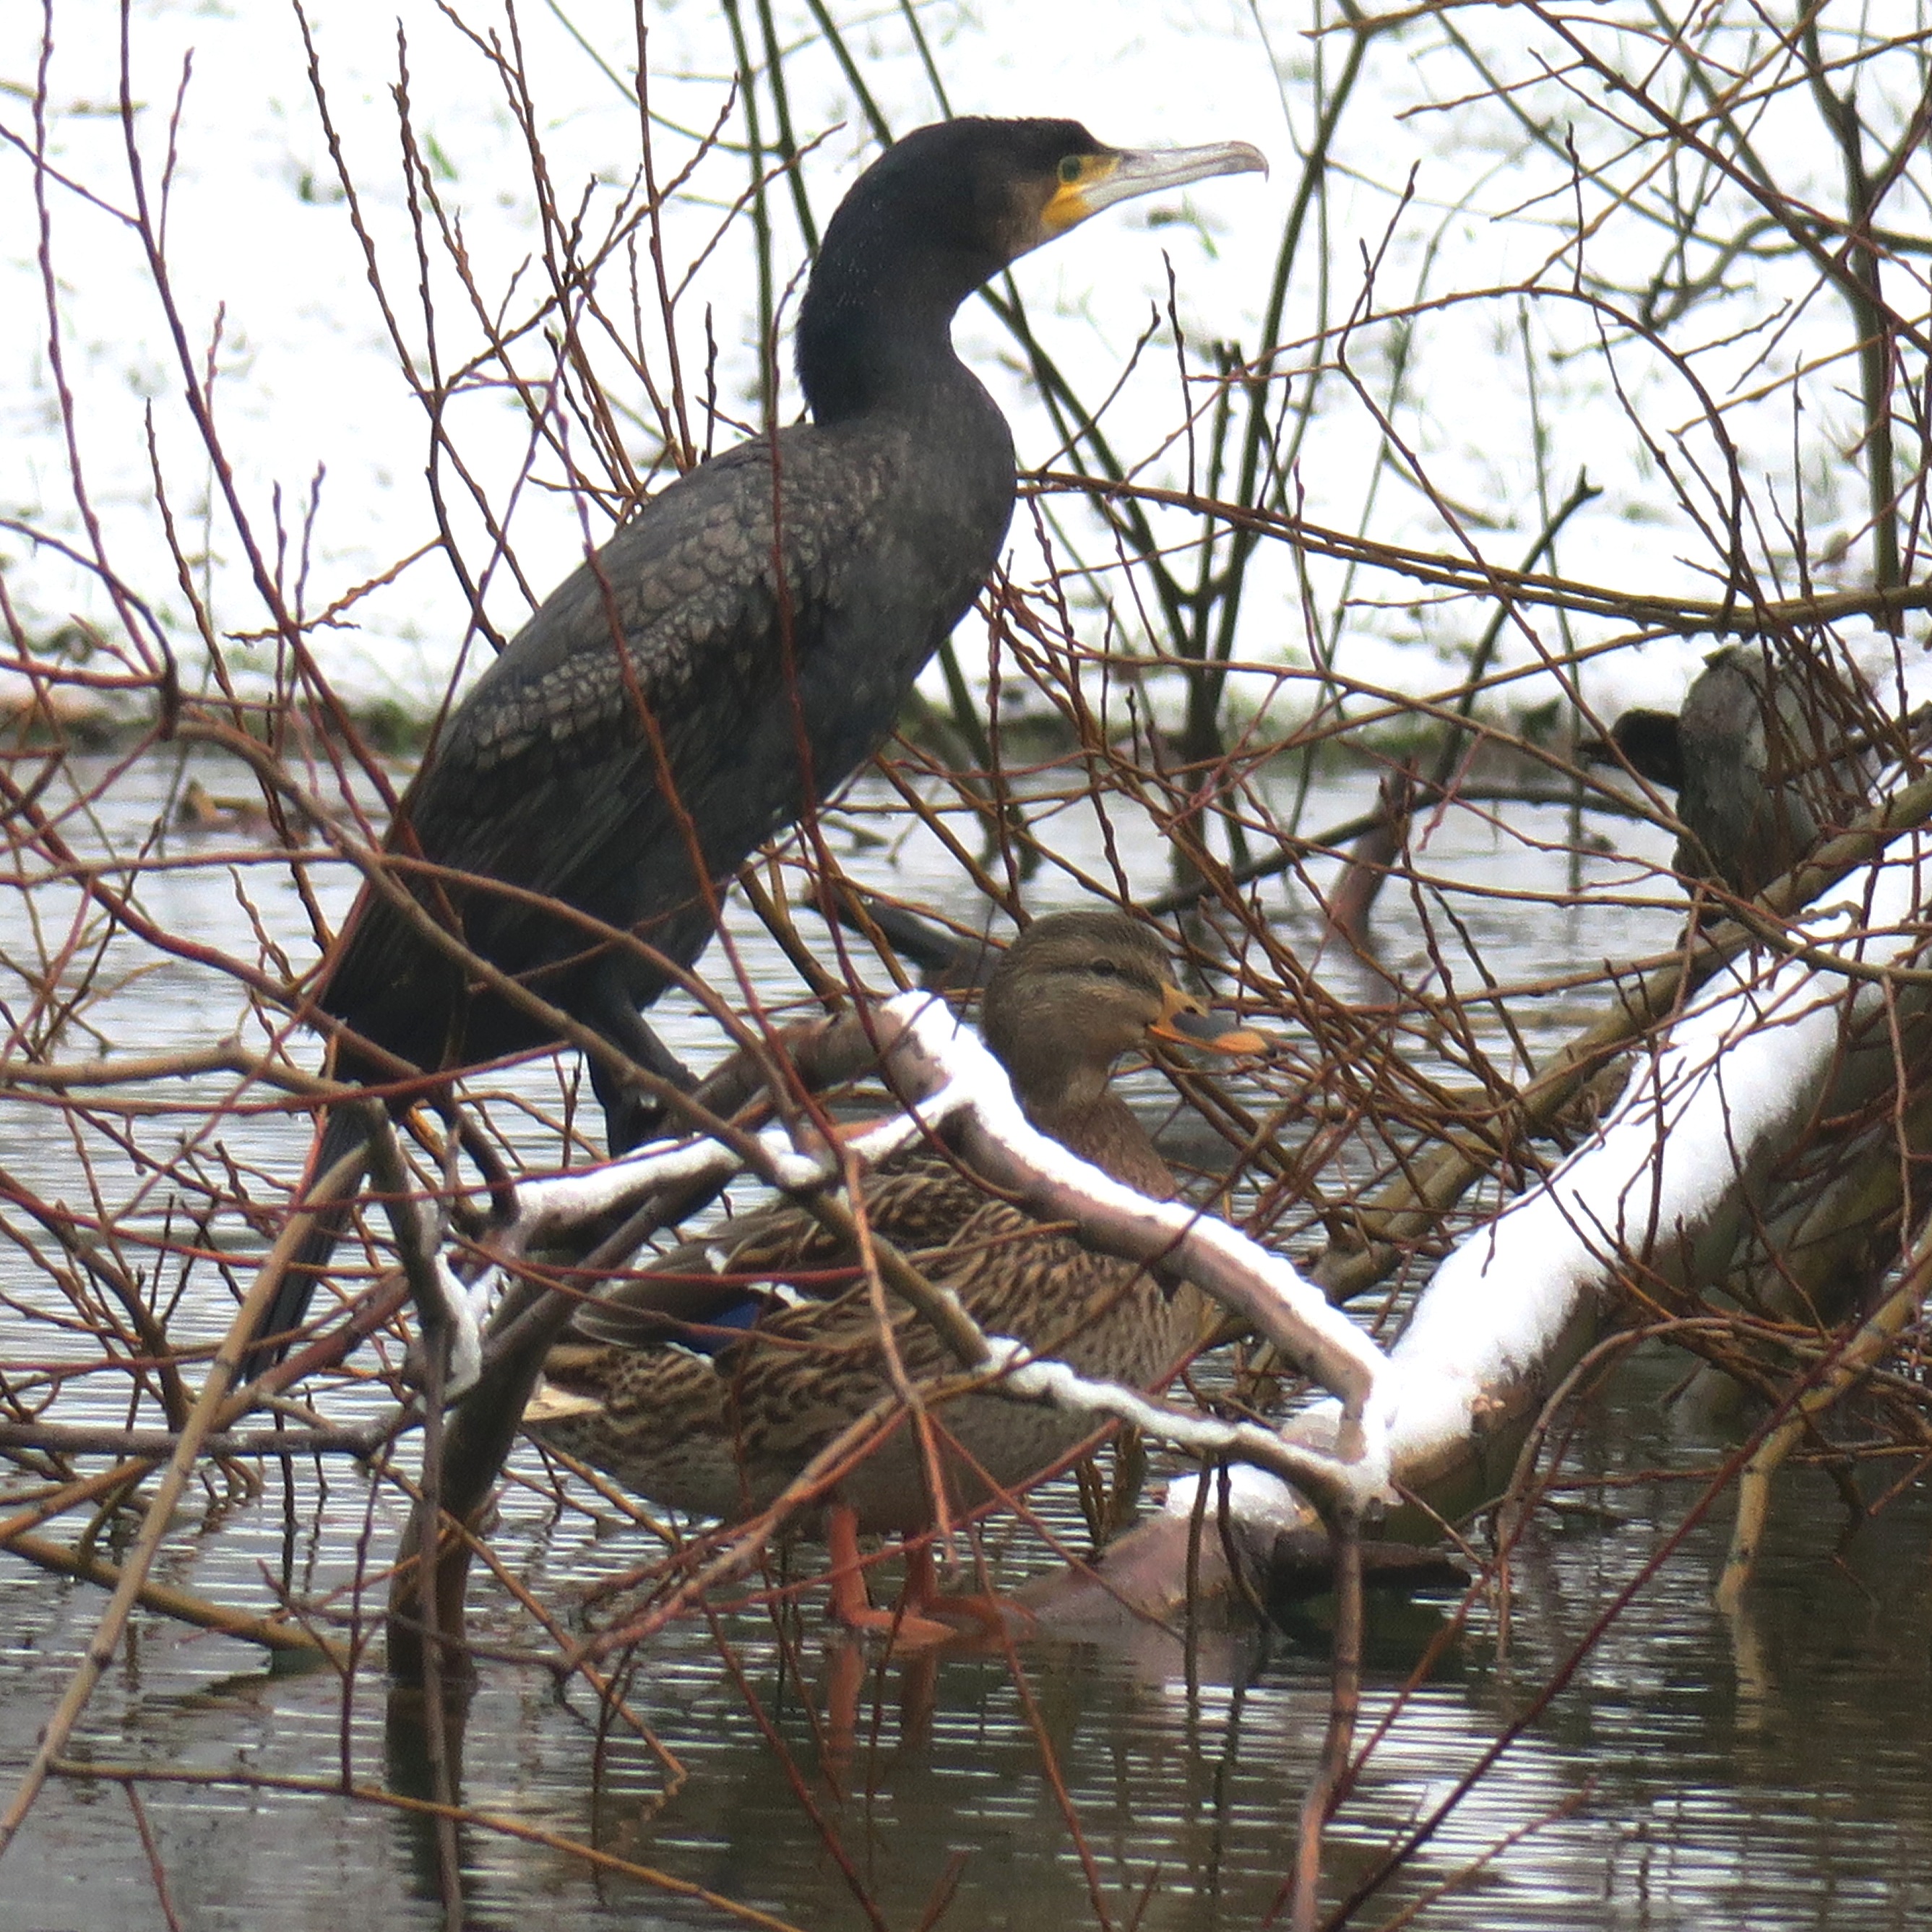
x=1077 y=990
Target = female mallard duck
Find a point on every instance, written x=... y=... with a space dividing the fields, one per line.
x=696 y=1385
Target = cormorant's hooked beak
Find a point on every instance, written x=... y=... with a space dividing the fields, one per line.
x=1185 y=1022
x=1120 y=174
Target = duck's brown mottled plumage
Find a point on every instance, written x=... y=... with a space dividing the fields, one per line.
x=723 y=1433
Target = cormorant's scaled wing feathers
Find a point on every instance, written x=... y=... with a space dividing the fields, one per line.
x=550 y=783
x=692 y=586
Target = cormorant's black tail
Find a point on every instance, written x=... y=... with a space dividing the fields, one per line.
x=344 y=1131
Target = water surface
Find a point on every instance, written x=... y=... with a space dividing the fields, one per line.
x=1767 y=1773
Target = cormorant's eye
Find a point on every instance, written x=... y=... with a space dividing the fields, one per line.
x=1070 y=172
x=1105 y=967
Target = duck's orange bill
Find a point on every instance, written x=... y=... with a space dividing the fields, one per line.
x=1185 y=1021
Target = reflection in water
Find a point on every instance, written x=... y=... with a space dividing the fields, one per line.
x=1800 y=1806
x=1769 y=1774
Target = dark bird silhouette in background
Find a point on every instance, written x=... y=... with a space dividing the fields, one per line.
x=1761 y=759
x=727 y=659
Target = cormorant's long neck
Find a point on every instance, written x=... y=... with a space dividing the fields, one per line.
x=875 y=328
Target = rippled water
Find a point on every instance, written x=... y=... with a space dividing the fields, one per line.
x=1766 y=1773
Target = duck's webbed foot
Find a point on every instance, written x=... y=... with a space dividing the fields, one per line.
x=992 y=1614
x=927 y=1617
x=852 y=1607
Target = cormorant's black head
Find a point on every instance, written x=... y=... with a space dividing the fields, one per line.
x=941 y=211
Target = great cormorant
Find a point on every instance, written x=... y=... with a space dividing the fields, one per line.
x=643 y=733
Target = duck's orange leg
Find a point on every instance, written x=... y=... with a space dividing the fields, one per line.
x=994 y=1614
x=853 y=1608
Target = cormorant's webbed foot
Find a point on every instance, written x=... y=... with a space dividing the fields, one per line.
x=631 y=1118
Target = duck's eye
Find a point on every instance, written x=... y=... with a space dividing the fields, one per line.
x=1071 y=169
x=1105 y=967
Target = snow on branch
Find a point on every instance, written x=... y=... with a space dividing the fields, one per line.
x=948 y=1080
x=1719 y=1096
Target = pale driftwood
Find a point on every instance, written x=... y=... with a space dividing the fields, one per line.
x=270 y=1633
x=1862 y=1352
